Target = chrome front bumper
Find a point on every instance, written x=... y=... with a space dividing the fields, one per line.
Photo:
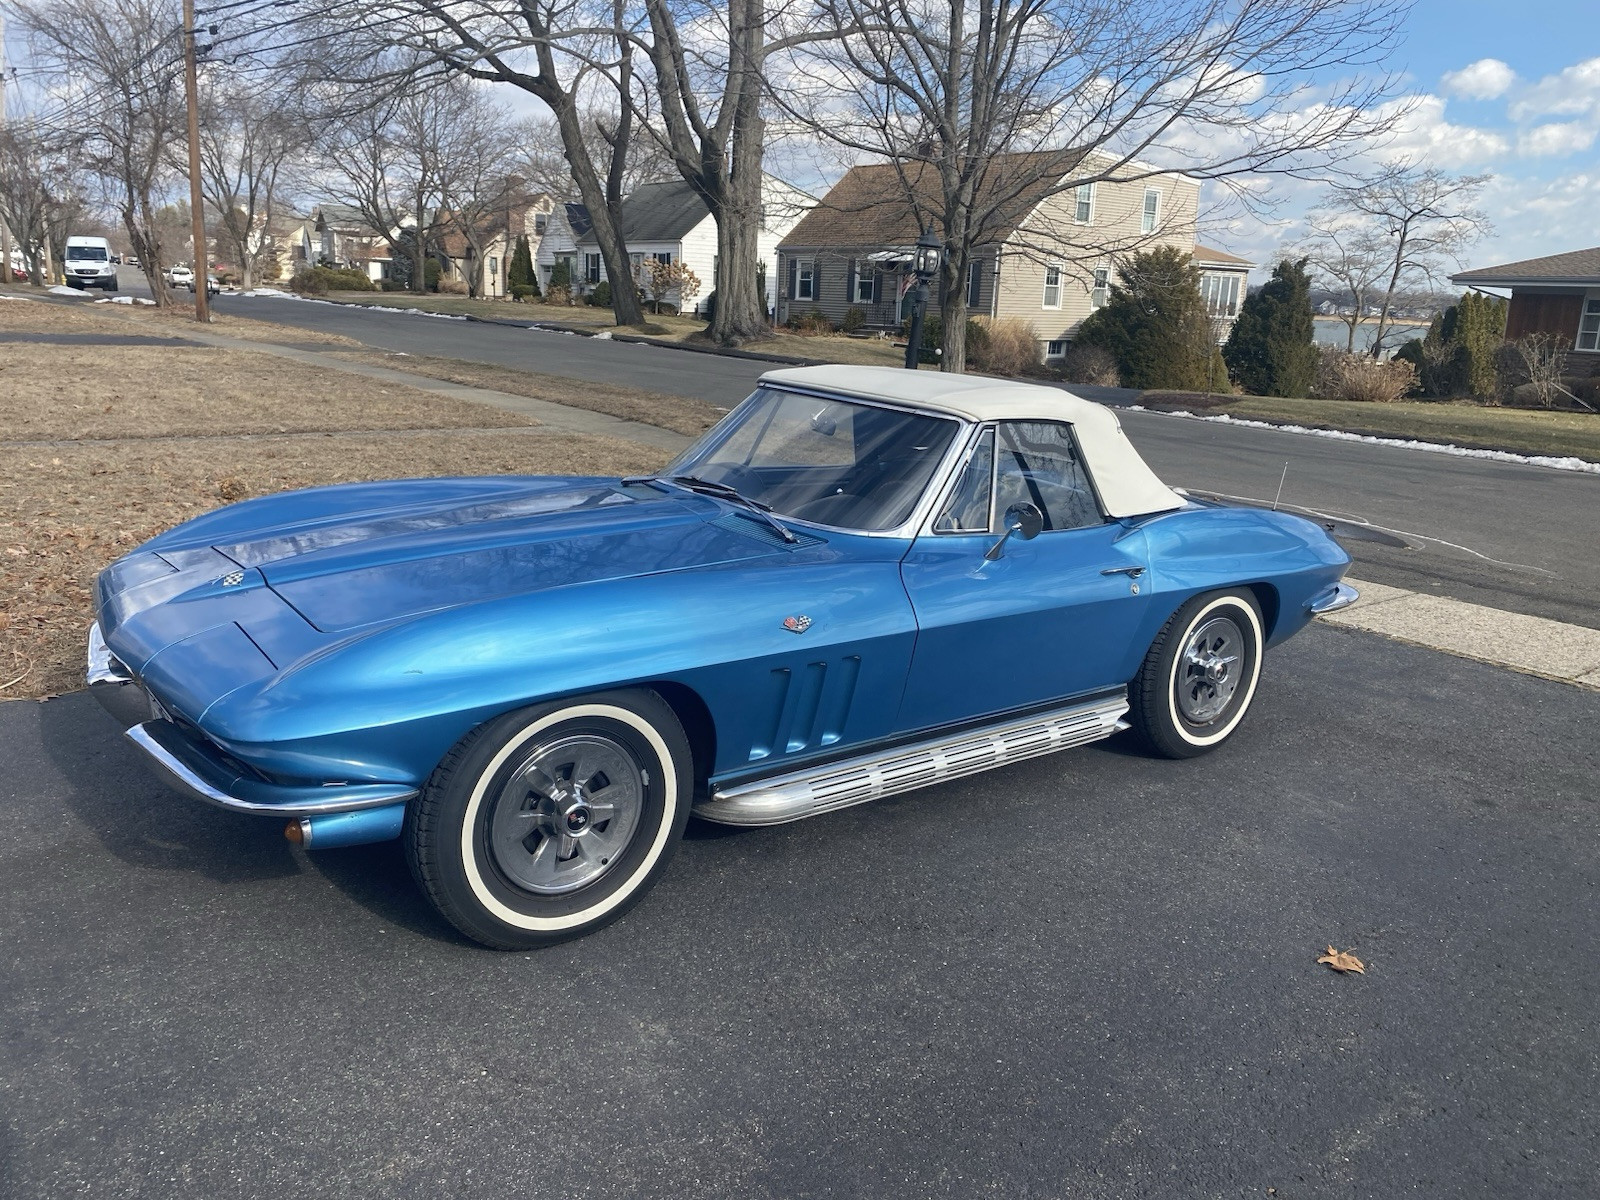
x=1340 y=595
x=193 y=767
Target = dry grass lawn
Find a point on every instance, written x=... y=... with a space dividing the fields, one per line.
x=681 y=414
x=194 y=428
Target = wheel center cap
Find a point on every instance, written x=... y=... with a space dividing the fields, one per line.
x=578 y=818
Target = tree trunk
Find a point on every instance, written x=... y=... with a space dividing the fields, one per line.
x=741 y=314
x=953 y=315
x=602 y=217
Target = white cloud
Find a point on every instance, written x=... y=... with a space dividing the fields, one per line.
x=1486 y=79
x=1566 y=137
x=1575 y=90
x=1423 y=135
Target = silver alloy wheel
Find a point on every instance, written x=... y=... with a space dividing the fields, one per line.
x=567 y=813
x=1207 y=672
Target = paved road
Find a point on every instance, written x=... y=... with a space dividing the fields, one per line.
x=1516 y=537
x=1090 y=975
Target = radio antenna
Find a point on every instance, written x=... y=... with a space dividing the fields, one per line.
x=1281 y=478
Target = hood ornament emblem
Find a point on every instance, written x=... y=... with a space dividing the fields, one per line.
x=797 y=624
x=232 y=579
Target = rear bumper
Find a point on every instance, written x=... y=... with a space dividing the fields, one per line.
x=193 y=767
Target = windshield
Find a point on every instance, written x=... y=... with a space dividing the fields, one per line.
x=854 y=466
x=86 y=254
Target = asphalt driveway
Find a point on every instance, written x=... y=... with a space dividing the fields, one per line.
x=1090 y=975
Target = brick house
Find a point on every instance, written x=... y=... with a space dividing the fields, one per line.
x=1558 y=294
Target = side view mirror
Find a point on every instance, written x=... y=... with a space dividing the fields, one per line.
x=1025 y=520
x=822 y=423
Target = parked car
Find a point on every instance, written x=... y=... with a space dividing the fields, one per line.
x=860 y=582
x=213 y=288
x=88 y=264
x=179 y=275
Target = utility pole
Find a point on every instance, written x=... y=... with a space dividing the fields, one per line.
x=191 y=90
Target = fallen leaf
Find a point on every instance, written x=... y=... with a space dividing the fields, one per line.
x=1343 y=961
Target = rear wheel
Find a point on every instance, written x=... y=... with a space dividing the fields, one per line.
x=554 y=820
x=1199 y=676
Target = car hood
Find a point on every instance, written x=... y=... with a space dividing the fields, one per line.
x=439 y=548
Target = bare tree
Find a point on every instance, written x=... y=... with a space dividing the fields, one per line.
x=987 y=109
x=576 y=56
x=27 y=196
x=1420 y=218
x=1538 y=361
x=541 y=159
x=1349 y=258
x=476 y=185
x=247 y=136
x=121 y=101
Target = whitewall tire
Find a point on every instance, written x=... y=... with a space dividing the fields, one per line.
x=1199 y=676
x=552 y=821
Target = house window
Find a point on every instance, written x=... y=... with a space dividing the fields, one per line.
x=863 y=285
x=1055 y=349
x=539 y=220
x=1152 y=210
x=494 y=265
x=975 y=283
x=803 y=276
x=1221 y=294
x=1589 y=327
x=1085 y=208
x=664 y=258
x=1052 y=286
x=591 y=267
x=1102 y=282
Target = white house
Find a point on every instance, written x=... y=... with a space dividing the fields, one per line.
x=670 y=221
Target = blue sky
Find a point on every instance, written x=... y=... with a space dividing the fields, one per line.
x=1502 y=87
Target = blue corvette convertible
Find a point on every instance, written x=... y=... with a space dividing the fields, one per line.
x=860 y=582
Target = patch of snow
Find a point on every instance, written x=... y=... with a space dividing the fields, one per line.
x=1559 y=463
x=8 y=296
x=264 y=291
x=63 y=290
x=603 y=336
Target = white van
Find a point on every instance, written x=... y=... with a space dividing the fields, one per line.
x=89 y=263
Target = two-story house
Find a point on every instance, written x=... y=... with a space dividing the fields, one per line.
x=1047 y=256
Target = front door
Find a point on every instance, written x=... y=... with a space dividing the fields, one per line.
x=1053 y=617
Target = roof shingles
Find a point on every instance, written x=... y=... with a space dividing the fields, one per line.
x=1576 y=266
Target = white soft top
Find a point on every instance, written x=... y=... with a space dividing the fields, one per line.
x=1127 y=485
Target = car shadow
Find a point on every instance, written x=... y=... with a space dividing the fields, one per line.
x=140 y=822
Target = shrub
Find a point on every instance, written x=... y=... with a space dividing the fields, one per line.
x=1345 y=376
x=561 y=275
x=319 y=281
x=558 y=294
x=1270 y=350
x=525 y=291
x=1531 y=368
x=393 y=285
x=1155 y=324
x=451 y=287
x=601 y=296
x=308 y=282
x=1093 y=366
x=1004 y=346
x=521 y=278
x=431 y=271
x=854 y=320
x=809 y=324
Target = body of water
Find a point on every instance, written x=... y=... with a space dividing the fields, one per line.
x=1330 y=331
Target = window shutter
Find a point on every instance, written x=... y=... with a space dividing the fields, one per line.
x=794 y=279
x=816 y=281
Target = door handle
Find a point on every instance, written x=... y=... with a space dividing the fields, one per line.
x=1130 y=572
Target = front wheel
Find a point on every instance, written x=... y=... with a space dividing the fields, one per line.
x=552 y=821
x=1199 y=676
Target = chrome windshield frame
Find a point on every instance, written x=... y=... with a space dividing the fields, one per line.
x=938 y=480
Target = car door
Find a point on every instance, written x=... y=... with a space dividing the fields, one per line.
x=1050 y=617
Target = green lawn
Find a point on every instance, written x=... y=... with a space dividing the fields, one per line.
x=1524 y=431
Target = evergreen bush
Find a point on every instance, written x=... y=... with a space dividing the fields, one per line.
x=1272 y=350
x=521 y=278
x=600 y=297
x=1154 y=324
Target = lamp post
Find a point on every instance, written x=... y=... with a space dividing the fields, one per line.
x=926 y=264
